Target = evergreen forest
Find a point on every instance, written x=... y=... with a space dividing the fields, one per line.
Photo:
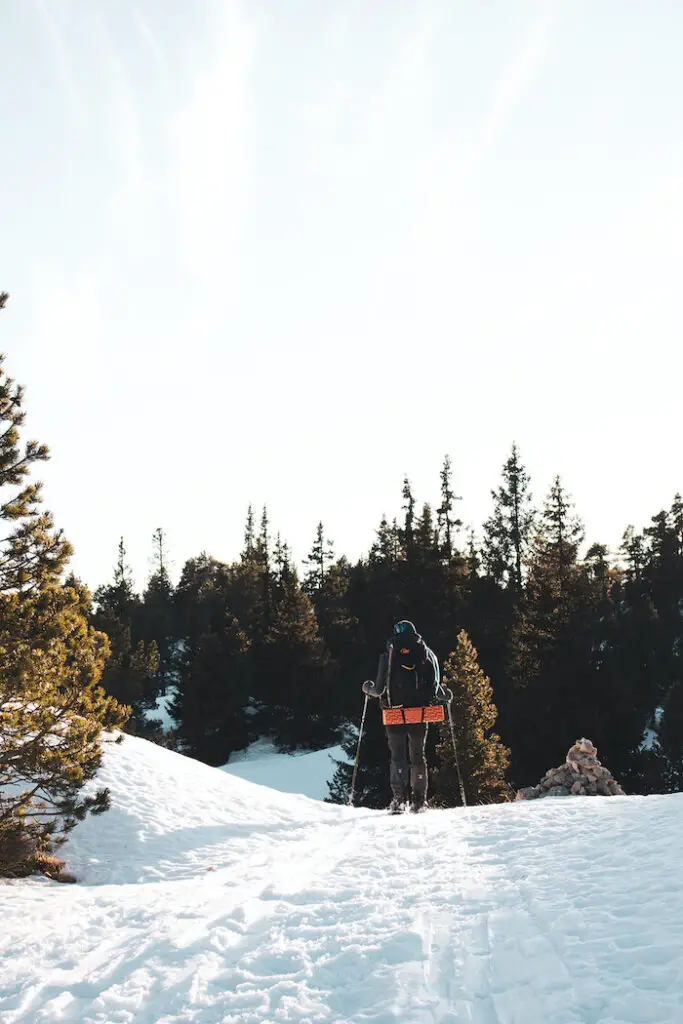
x=542 y=637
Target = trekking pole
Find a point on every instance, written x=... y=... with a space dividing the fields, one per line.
x=355 y=767
x=455 y=755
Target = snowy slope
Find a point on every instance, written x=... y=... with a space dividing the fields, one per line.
x=307 y=774
x=205 y=898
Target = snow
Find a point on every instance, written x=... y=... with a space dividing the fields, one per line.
x=204 y=898
x=305 y=773
x=651 y=733
x=160 y=714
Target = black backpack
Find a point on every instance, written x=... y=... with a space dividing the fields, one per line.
x=412 y=679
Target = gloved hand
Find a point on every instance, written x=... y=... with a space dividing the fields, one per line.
x=369 y=688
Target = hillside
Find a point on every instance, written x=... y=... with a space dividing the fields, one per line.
x=206 y=898
x=308 y=773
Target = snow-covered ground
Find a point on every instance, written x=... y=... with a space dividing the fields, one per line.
x=160 y=714
x=307 y=773
x=204 y=898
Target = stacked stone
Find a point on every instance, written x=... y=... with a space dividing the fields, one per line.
x=580 y=775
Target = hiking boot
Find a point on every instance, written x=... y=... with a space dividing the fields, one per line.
x=397 y=806
x=417 y=803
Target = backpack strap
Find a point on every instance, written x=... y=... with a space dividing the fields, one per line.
x=390 y=659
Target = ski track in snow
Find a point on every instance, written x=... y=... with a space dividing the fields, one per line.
x=207 y=899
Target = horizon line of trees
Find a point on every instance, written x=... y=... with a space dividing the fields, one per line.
x=571 y=644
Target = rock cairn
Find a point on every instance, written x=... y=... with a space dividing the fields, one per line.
x=580 y=775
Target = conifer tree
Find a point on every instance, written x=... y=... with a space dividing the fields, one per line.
x=298 y=695
x=129 y=674
x=472 y=555
x=263 y=559
x=600 y=574
x=327 y=584
x=318 y=560
x=407 y=533
x=213 y=693
x=52 y=713
x=249 y=535
x=556 y=544
x=550 y=654
x=280 y=559
x=632 y=549
x=507 y=534
x=51 y=708
x=670 y=737
x=426 y=535
x=482 y=756
x=384 y=550
x=158 y=613
x=676 y=521
x=200 y=597
x=446 y=524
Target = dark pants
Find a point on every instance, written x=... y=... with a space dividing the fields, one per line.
x=407 y=740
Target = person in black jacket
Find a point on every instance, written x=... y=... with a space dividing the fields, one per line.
x=407 y=677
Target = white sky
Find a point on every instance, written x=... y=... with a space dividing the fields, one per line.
x=286 y=251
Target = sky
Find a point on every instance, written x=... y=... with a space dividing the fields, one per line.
x=286 y=253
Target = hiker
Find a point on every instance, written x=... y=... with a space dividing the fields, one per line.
x=407 y=677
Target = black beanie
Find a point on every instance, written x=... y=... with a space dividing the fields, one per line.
x=404 y=626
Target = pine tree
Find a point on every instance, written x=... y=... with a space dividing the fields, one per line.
x=583 y=652
x=670 y=739
x=129 y=675
x=482 y=757
x=51 y=708
x=298 y=692
x=119 y=596
x=632 y=549
x=472 y=555
x=676 y=525
x=507 y=534
x=600 y=574
x=249 y=535
x=555 y=547
x=446 y=524
x=319 y=558
x=384 y=550
x=52 y=713
x=263 y=560
x=407 y=533
x=157 y=615
x=426 y=535
x=327 y=584
x=200 y=597
x=213 y=693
